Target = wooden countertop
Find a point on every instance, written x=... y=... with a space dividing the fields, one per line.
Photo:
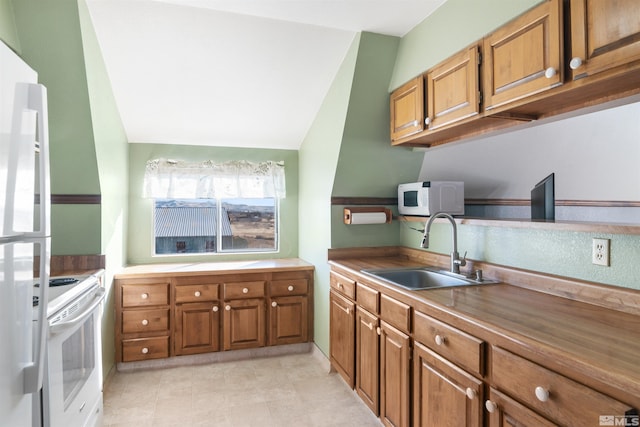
x=200 y=268
x=598 y=346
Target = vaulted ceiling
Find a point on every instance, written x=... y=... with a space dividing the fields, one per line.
x=236 y=73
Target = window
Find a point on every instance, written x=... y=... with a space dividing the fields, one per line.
x=214 y=208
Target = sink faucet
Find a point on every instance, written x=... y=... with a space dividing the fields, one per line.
x=456 y=262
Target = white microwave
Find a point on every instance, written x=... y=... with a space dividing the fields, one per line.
x=429 y=197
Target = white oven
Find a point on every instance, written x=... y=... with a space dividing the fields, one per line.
x=72 y=385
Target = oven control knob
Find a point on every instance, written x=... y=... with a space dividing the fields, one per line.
x=144 y=296
x=145 y=350
x=145 y=322
x=197 y=293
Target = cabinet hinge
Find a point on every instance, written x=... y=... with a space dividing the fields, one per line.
x=480 y=97
x=479 y=58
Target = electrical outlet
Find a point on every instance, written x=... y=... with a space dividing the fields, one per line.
x=600 y=252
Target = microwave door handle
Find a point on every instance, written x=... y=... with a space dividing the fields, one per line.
x=33 y=371
x=62 y=326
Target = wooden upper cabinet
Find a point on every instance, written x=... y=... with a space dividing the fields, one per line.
x=453 y=89
x=605 y=34
x=407 y=109
x=524 y=56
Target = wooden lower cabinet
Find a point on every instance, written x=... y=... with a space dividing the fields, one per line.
x=395 y=379
x=288 y=320
x=197 y=328
x=244 y=324
x=443 y=394
x=368 y=359
x=342 y=336
x=506 y=412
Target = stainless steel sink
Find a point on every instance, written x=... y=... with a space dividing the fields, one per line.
x=417 y=278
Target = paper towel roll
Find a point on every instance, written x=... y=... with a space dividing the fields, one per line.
x=368 y=218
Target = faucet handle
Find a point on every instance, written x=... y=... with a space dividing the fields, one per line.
x=462 y=262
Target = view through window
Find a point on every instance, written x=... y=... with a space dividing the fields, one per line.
x=187 y=226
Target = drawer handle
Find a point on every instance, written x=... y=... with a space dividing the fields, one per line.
x=440 y=340
x=471 y=393
x=491 y=406
x=290 y=288
x=144 y=296
x=197 y=293
x=542 y=394
x=245 y=290
x=227 y=307
x=144 y=322
x=274 y=304
x=145 y=350
x=215 y=308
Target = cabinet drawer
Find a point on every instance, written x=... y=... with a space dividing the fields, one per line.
x=135 y=321
x=368 y=298
x=283 y=288
x=196 y=293
x=343 y=285
x=457 y=346
x=145 y=348
x=556 y=397
x=237 y=290
x=143 y=295
x=396 y=313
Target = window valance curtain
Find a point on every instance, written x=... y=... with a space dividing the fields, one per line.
x=177 y=179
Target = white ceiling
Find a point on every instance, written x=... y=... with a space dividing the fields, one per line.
x=239 y=73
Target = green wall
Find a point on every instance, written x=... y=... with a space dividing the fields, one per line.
x=556 y=252
x=140 y=236
x=8 y=30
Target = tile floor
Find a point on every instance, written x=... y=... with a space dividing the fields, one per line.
x=290 y=390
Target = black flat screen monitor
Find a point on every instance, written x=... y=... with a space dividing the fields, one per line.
x=543 y=200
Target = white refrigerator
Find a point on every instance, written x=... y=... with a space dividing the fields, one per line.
x=24 y=237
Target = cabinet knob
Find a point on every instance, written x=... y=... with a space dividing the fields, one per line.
x=550 y=72
x=542 y=394
x=575 y=63
x=491 y=406
x=274 y=304
x=145 y=322
x=378 y=330
x=245 y=290
x=144 y=350
x=290 y=288
x=427 y=121
x=144 y=296
x=340 y=285
x=471 y=393
x=215 y=308
x=197 y=293
x=227 y=307
x=440 y=340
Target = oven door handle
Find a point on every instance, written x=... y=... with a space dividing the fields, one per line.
x=62 y=326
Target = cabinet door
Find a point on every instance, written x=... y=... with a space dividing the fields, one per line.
x=288 y=320
x=444 y=395
x=407 y=109
x=604 y=34
x=453 y=89
x=197 y=328
x=506 y=412
x=342 y=336
x=367 y=359
x=395 y=368
x=524 y=57
x=244 y=324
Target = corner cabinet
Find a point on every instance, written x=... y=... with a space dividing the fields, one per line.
x=176 y=314
x=525 y=56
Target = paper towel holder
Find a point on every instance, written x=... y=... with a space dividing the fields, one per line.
x=350 y=211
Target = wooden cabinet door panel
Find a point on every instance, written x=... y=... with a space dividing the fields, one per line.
x=288 y=322
x=367 y=359
x=453 y=89
x=197 y=328
x=395 y=369
x=407 y=109
x=342 y=336
x=518 y=55
x=506 y=412
x=604 y=34
x=244 y=324
x=444 y=395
